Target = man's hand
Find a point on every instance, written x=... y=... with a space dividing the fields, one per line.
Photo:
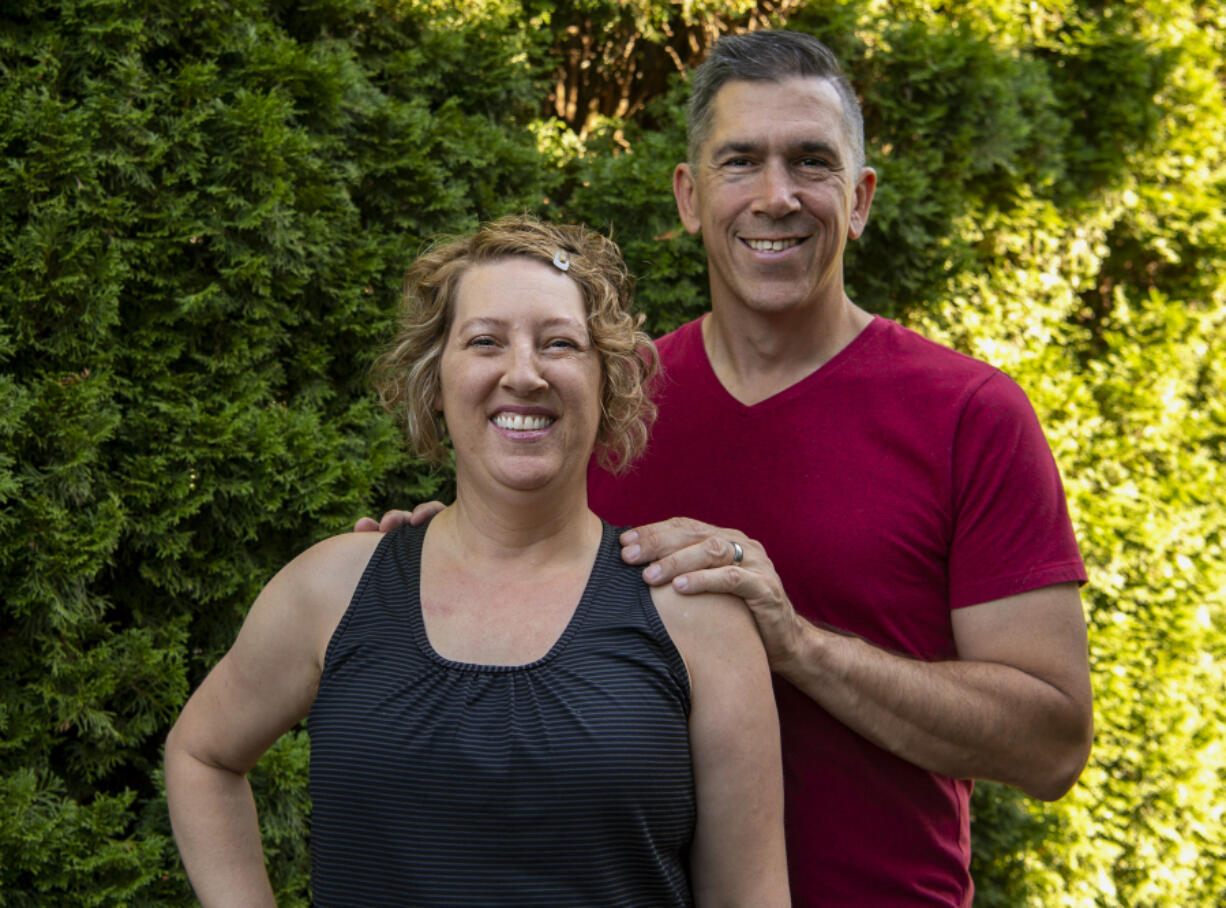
x=394 y=518
x=699 y=558
x=1014 y=707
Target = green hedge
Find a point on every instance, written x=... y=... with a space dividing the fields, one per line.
x=205 y=211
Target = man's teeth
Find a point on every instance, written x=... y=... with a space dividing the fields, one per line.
x=521 y=423
x=772 y=245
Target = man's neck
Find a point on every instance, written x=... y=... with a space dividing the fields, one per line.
x=756 y=355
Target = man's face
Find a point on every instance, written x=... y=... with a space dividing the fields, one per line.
x=775 y=194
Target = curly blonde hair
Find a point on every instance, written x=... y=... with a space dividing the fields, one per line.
x=407 y=375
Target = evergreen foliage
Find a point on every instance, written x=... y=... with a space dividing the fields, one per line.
x=205 y=211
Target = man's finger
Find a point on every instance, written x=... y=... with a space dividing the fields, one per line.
x=654 y=541
x=732 y=580
x=709 y=552
x=396 y=518
x=392 y=519
x=423 y=512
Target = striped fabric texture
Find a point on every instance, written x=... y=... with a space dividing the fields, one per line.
x=566 y=781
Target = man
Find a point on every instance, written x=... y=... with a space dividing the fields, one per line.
x=919 y=602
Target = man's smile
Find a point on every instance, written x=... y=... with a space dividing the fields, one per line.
x=772 y=245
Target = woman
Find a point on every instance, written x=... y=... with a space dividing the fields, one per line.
x=500 y=711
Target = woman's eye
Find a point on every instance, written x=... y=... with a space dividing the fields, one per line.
x=481 y=342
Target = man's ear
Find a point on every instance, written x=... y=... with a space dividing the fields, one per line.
x=861 y=202
x=685 y=192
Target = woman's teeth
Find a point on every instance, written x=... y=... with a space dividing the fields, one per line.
x=519 y=422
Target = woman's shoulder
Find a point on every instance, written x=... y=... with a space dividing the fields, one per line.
x=328 y=572
x=278 y=656
x=336 y=552
x=313 y=590
x=708 y=627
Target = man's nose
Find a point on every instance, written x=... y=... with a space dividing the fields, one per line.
x=777 y=191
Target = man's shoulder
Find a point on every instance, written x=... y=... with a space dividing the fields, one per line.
x=902 y=356
x=924 y=378
x=908 y=345
x=678 y=345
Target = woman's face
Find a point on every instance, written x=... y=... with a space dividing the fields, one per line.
x=520 y=379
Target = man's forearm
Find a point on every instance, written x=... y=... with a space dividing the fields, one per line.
x=216 y=828
x=964 y=719
x=1015 y=707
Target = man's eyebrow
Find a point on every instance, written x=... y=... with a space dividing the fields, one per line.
x=822 y=148
x=737 y=147
x=744 y=146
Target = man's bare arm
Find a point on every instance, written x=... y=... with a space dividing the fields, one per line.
x=1015 y=707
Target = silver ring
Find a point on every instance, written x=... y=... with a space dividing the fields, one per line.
x=738 y=553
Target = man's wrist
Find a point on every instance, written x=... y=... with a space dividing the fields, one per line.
x=802 y=652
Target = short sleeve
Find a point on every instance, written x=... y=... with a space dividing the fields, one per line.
x=1012 y=531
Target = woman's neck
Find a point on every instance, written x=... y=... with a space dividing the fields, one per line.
x=525 y=528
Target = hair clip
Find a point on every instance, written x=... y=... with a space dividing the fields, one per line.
x=561 y=260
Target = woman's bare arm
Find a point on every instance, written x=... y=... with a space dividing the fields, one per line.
x=738 y=856
x=259 y=690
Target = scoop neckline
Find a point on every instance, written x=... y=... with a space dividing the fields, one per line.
x=582 y=607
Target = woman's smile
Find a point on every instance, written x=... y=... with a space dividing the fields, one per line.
x=517 y=422
x=520 y=379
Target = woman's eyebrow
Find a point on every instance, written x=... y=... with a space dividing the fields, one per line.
x=485 y=321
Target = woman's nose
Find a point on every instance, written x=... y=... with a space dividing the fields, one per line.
x=523 y=370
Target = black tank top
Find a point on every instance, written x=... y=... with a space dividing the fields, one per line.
x=566 y=781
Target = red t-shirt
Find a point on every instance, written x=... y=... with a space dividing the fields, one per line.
x=898 y=481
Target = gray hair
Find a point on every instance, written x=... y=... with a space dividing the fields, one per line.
x=767 y=56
